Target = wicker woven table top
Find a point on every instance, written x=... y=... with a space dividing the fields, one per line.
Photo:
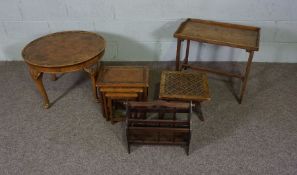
x=176 y=85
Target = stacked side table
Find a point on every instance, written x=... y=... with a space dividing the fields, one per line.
x=121 y=83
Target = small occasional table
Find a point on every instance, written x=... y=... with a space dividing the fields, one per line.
x=64 y=52
x=184 y=86
x=219 y=33
x=121 y=83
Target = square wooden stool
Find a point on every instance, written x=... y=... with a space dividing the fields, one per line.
x=184 y=86
x=120 y=83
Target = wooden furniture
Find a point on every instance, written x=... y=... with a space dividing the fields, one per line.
x=219 y=33
x=184 y=86
x=121 y=83
x=158 y=122
x=63 y=52
x=112 y=98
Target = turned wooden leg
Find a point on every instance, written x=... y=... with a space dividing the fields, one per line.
x=93 y=72
x=245 y=79
x=37 y=77
x=53 y=77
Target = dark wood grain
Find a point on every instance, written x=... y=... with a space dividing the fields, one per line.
x=142 y=128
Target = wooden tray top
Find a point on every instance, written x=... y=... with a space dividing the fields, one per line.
x=123 y=76
x=233 y=35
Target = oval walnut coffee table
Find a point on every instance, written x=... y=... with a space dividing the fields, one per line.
x=64 y=52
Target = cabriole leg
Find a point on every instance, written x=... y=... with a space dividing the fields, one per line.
x=37 y=77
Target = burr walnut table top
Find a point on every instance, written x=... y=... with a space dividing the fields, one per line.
x=63 y=49
x=123 y=76
x=233 y=35
x=176 y=85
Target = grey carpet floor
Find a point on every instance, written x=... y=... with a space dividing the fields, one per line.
x=256 y=137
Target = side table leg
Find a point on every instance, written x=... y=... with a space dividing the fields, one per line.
x=53 y=77
x=186 y=60
x=93 y=72
x=245 y=79
x=37 y=77
x=178 y=54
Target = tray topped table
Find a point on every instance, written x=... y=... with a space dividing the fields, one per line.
x=121 y=83
x=219 y=33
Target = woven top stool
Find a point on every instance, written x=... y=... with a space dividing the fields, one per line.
x=184 y=86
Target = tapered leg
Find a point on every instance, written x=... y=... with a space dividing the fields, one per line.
x=93 y=72
x=178 y=54
x=37 y=77
x=245 y=79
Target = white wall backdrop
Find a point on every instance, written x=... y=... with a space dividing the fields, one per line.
x=143 y=30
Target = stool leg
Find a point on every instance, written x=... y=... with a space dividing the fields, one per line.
x=197 y=109
x=103 y=105
x=188 y=144
x=109 y=108
x=128 y=144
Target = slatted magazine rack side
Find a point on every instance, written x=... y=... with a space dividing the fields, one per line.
x=164 y=128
